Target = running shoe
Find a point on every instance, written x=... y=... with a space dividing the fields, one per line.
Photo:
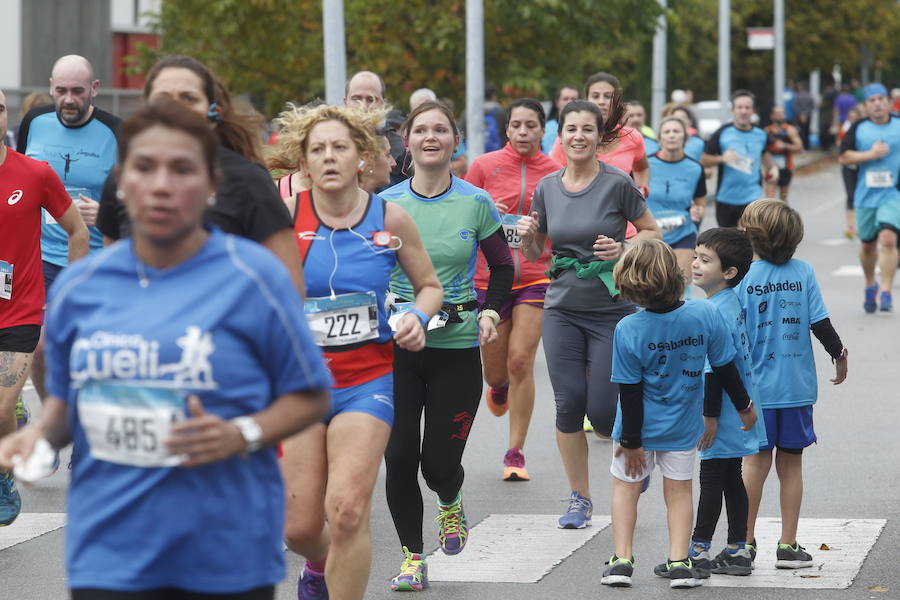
x=22 y=413
x=886 y=304
x=497 y=400
x=413 y=575
x=578 y=515
x=792 y=557
x=871 y=293
x=514 y=466
x=453 y=528
x=311 y=585
x=751 y=548
x=733 y=561
x=682 y=575
x=588 y=426
x=699 y=558
x=618 y=572
x=10 y=501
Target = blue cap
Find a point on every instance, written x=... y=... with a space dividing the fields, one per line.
x=874 y=89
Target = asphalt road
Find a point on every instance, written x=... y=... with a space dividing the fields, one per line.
x=852 y=472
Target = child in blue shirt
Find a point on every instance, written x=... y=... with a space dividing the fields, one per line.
x=721 y=259
x=782 y=303
x=659 y=355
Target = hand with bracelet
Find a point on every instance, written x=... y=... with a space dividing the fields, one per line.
x=488 y=320
x=411 y=329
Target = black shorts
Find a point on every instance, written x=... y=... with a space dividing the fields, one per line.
x=728 y=215
x=784 y=177
x=21 y=338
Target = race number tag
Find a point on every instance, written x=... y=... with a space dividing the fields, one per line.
x=670 y=224
x=398 y=309
x=129 y=424
x=6 y=272
x=744 y=164
x=509 y=224
x=879 y=179
x=780 y=160
x=345 y=319
x=75 y=194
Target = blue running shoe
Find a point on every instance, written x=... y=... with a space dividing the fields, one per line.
x=453 y=528
x=578 y=515
x=871 y=293
x=22 y=413
x=886 y=304
x=10 y=501
x=311 y=585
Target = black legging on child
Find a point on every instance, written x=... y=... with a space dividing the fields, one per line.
x=446 y=384
x=720 y=476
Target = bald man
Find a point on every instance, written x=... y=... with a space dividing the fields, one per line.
x=366 y=90
x=78 y=140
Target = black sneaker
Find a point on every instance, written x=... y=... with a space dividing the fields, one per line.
x=682 y=575
x=792 y=557
x=733 y=562
x=751 y=548
x=618 y=572
x=702 y=567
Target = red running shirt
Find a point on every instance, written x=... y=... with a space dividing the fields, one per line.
x=26 y=185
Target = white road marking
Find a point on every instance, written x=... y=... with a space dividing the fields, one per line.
x=849 y=540
x=836 y=242
x=823 y=208
x=512 y=549
x=848 y=271
x=29 y=526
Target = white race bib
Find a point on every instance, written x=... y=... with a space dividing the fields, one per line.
x=744 y=164
x=398 y=309
x=6 y=274
x=780 y=160
x=879 y=179
x=128 y=424
x=346 y=319
x=509 y=224
x=669 y=224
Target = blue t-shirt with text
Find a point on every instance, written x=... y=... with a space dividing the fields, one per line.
x=731 y=442
x=780 y=303
x=739 y=184
x=877 y=182
x=668 y=352
x=673 y=187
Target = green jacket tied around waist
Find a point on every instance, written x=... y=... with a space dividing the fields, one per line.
x=601 y=269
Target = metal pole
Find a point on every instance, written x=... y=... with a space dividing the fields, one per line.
x=724 y=57
x=474 y=78
x=779 y=52
x=815 y=90
x=335 y=51
x=658 y=85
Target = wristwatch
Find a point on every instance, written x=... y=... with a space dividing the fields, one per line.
x=251 y=433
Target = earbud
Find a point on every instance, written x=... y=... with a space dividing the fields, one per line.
x=362 y=164
x=214 y=112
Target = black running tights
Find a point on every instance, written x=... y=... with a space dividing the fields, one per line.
x=718 y=477
x=446 y=384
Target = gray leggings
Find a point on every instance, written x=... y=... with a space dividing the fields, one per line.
x=578 y=347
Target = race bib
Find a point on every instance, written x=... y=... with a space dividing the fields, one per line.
x=345 y=319
x=744 y=164
x=509 y=224
x=75 y=194
x=879 y=179
x=669 y=224
x=128 y=424
x=780 y=160
x=398 y=309
x=6 y=273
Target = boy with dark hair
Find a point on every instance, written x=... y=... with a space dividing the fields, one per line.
x=782 y=303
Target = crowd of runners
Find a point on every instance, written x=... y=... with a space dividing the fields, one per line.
x=234 y=329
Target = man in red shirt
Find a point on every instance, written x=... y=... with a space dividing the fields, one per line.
x=26 y=185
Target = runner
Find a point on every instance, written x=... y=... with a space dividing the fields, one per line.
x=624 y=151
x=677 y=192
x=246 y=201
x=738 y=149
x=583 y=210
x=784 y=142
x=874 y=145
x=177 y=360
x=510 y=176
x=636 y=118
x=443 y=380
x=349 y=241
x=849 y=174
x=26 y=187
x=694 y=145
x=377 y=172
x=564 y=95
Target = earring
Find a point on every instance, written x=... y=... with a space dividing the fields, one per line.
x=211 y=200
x=120 y=194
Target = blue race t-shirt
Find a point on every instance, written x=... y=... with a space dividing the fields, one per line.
x=673 y=187
x=651 y=146
x=667 y=352
x=731 y=442
x=551 y=132
x=82 y=156
x=227 y=325
x=877 y=182
x=694 y=147
x=781 y=302
x=741 y=183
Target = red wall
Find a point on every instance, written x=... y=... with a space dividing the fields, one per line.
x=125 y=44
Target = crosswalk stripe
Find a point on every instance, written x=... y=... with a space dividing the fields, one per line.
x=29 y=526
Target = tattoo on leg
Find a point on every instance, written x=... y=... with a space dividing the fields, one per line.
x=9 y=375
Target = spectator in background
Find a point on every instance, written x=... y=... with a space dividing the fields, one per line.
x=564 y=95
x=827 y=126
x=494 y=121
x=788 y=102
x=842 y=105
x=804 y=105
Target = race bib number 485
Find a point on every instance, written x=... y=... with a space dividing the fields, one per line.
x=128 y=425
x=509 y=223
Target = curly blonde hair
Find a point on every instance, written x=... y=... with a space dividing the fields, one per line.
x=298 y=121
